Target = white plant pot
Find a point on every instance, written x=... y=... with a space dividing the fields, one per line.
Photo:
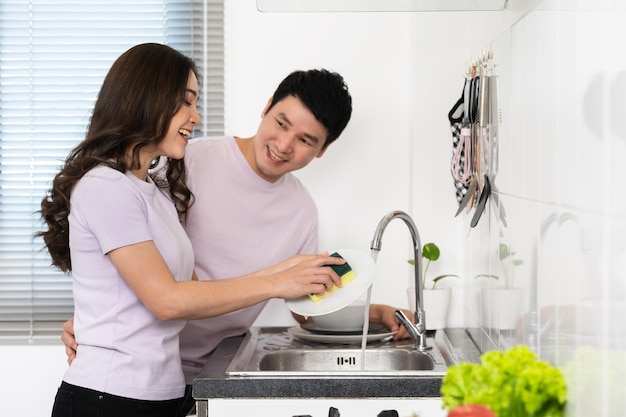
x=436 y=306
x=501 y=307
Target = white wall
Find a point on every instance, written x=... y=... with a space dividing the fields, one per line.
x=559 y=67
x=563 y=78
x=29 y=378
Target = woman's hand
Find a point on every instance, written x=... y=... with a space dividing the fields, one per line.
x=304 y=274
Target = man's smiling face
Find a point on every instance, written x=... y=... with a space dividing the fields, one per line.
x=288 y=138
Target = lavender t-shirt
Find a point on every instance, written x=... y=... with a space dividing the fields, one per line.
x=240 y=223
x=123 y=348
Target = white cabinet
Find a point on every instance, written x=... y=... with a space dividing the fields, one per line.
x=320 y=407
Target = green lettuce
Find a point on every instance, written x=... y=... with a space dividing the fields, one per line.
x=513 y=383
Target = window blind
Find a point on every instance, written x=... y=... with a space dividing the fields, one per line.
x=53 y=58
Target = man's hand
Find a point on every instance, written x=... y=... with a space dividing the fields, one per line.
x=67 y=337
x=385 y=314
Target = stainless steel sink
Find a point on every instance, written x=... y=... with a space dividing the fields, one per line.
x=271 y=363
x=310 y=360
x=271 y=353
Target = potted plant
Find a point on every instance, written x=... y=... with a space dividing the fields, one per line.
x=436 y=300
x=501 y=306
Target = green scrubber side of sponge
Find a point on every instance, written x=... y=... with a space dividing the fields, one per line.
x=340 y=269
x=344 y=271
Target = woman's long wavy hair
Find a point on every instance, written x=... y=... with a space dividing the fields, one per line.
x=143 y=90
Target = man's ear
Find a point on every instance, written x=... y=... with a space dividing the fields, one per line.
x=320 y=153
x=267 y=107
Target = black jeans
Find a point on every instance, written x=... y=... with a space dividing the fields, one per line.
x=187 y=403
x=73 y=401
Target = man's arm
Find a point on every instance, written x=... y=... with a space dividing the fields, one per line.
x=67 y=337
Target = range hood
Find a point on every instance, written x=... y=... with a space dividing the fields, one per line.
x=379 y=5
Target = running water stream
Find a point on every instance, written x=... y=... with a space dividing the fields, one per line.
x=366 y=316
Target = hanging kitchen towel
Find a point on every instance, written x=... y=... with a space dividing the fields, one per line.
x=460 y=173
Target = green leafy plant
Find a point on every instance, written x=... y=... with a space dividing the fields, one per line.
x=507 y=261
x=514 y=383
x=431 y=252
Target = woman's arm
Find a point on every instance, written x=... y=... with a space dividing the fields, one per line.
x=143 y=268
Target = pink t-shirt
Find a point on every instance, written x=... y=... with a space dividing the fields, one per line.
x=123 y=348
x=240 y=223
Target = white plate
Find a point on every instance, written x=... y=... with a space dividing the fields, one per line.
x=300 y=333
x=313 y=328
x=364 y=268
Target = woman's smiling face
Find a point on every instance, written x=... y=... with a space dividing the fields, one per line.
x=182 y=124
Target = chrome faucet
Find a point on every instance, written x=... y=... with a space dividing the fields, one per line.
x=418 y=330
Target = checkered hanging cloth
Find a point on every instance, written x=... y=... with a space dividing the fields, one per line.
x=458 y=164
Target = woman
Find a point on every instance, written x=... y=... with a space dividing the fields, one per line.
x=118 y=231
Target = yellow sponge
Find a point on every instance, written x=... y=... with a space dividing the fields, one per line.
x=344 y=271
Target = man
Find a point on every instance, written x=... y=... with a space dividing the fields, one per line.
x=250 y=211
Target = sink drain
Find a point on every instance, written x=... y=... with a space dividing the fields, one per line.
x=350 y=360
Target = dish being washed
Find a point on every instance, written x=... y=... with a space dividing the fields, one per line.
x=364 y=269
x=349 y=318
x=372 y=336
x=374 y=328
